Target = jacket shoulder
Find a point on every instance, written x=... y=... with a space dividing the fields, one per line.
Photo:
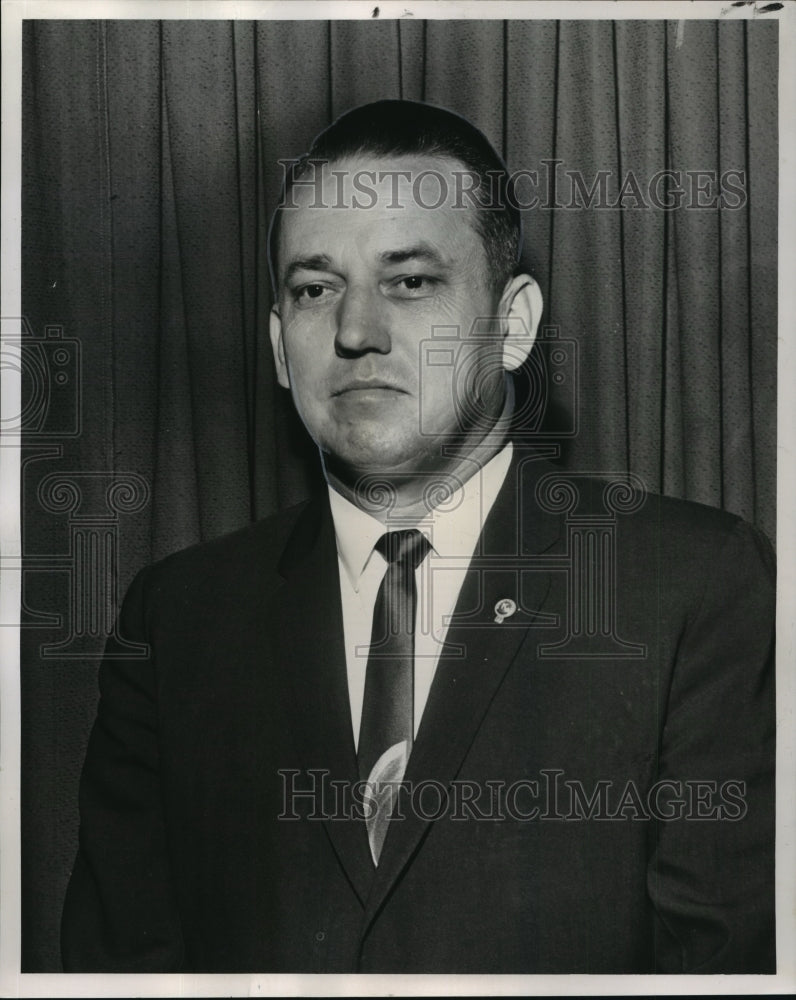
x=687 y=523
x=248 y=554
x=647 y=520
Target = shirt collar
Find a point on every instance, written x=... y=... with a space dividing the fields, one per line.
x=356 y=533
x=452 y=528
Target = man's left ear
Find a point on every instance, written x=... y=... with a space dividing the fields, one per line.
x=520 y=312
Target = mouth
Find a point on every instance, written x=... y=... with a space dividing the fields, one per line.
x=367 y=385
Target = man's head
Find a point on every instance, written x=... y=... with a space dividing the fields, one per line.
x=391 y=129
x=398 y=312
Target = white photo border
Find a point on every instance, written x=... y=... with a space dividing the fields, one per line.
x=12 y=982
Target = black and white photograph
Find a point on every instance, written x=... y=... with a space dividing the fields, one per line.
x=396 y=461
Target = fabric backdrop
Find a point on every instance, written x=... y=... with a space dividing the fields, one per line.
x=150 y=166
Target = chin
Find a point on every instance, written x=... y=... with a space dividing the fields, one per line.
x=371 y=459
x=372 y=453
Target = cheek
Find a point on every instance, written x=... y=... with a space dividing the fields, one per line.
x=307 y=348
x=438 y=390
x=468 y=307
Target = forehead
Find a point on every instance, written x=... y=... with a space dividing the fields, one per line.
x=374 y=204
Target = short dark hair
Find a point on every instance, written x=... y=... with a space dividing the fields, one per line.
x=409 y=128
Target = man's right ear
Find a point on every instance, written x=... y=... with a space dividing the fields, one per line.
x=278 y=347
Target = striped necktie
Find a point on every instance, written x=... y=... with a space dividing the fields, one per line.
x=387 y=729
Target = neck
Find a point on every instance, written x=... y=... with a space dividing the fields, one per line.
x=409 y=495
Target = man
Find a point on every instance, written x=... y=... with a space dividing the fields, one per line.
x=530 y=729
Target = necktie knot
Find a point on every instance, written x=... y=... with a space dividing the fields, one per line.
x=404 y=548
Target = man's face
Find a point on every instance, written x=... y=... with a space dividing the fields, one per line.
x=360 y=291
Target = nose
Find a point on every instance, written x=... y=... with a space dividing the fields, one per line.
x=361 y=324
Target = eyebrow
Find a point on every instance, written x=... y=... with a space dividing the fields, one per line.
x=323 y=262
x=315 y=262
x=421 y=251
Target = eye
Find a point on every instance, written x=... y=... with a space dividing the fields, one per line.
x=307 y=294
x=414 y=286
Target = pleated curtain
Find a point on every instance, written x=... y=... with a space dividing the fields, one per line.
x=150 y=169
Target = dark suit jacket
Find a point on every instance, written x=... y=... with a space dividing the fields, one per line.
x=189 y=859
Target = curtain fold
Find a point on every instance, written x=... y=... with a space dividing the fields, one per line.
x=150 y=171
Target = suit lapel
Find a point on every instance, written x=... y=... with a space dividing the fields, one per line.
x=477 y=653
x=313 y=654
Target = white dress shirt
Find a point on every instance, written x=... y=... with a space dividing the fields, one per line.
x=453 y=529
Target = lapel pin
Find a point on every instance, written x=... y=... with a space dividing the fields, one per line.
x=504 y=608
